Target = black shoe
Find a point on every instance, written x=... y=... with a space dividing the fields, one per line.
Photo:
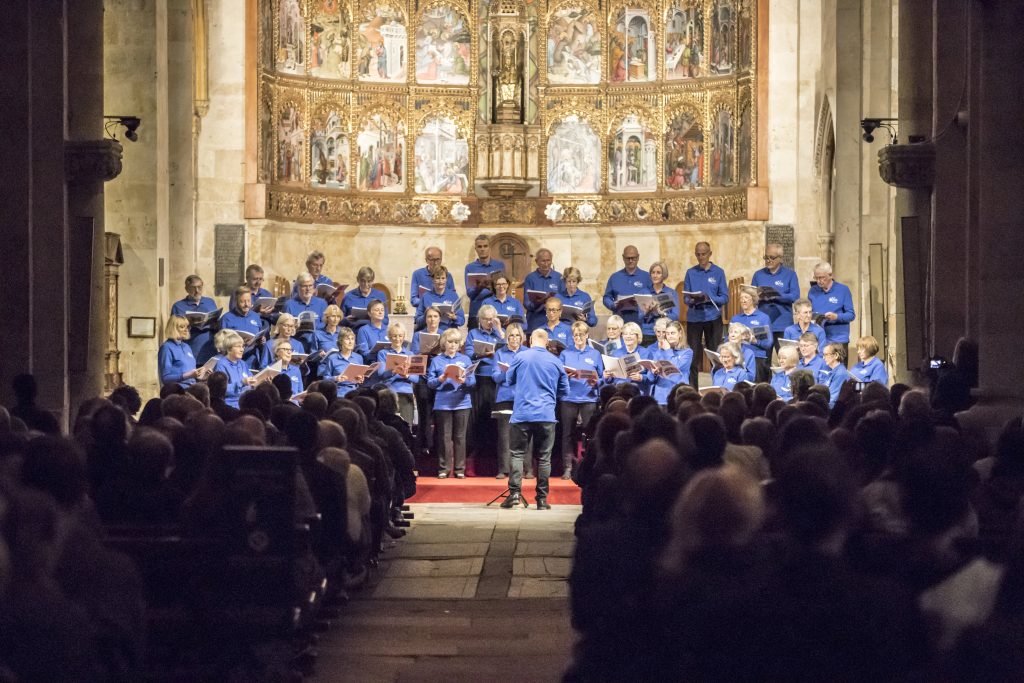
x=511 y=501
x=542 y=504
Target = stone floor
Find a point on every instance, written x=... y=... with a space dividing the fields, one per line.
x=472 y=593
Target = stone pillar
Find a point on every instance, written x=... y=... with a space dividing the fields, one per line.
x=913 y=202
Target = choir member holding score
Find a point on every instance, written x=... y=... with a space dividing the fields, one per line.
x=509 y=308
x=778 y=307
x=422 y=278
x=627 y=282
x=571 y=295
x=191 y=307
x=613 y=332
x=740 y=335
x=559 y=334
x=398 y=380
x=285 y=329
x=653 y=312
x=315 y=269
x=539 y=285
x=481 y=272
x=803 y=321
x=630 y=344
x=355 y=305
x=231 y=347
x=833 y=373
x=671 y=347
x=325 y=337
x=760 y=326
x=481 y=344
x=242 y=318
x=869 y=367
x=708 y=292
x=334 y=365
x=442 y=297
x=730 y=372
x=374 y=331
x=585 y=369
x=503 y=400
x=425 y=435
x=254 y=281
x=175 y=360
x=834 y=301
x=447 y=375
x=283 y=355
x=306 y=305
x=788 y=358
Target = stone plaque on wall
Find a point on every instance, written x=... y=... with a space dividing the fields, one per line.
x=229 y=258
x=784 y=235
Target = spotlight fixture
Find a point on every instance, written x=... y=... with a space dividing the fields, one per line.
x=869 y=126
x=130 y=123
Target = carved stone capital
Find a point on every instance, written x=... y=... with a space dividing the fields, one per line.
x=908 y=166
x=86 y=160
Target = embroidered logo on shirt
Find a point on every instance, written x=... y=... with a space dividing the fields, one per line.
x=189 y=354
x=588 y=360
x=833 y=299
x=779 y=283
x=637 y=283
x=712 y=280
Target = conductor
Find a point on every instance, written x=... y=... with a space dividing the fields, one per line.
x=539 y=380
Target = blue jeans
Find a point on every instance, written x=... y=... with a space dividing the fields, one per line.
x=543 y=435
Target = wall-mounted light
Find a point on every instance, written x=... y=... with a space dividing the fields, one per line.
x=869 y=126
x=130 y=123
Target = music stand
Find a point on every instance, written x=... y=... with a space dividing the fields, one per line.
x=508 y=492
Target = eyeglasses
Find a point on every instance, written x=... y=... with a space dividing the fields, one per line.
x=771 y=258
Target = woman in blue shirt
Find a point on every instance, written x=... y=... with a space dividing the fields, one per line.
x=398 y=381
x=630 y=343
x=283 y=354
x=451 y=402
x=740 y=335
x=335 y=364
x=285 y=329
x=672 y=348
x=788 y=359
x=754 y=318
x=175 y=359
x=809 y=357
x=578 y=406
x=325 y=337
x=360 y=297
x=613 y=330
x=510 y=309
x=652 y=314
x=504 y=397
x=571 y=295
x=803 y=321
x=373 y=332
x=441 y=295
x=869 y=368
x=425 y=436
x=730 y=372
x=834 y=373
x=231 y=347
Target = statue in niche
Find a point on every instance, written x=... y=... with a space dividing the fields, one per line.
x=508 y=81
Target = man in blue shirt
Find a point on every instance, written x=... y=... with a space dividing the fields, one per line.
x=630 y=280
x=305 y=301
x=254 y=281
x=833 y=300
x=360 y=297
x=483 y=265
x=200 y=337
x=315 y=267
x=422 y=280
x=241 y=317
x=540 y=381
x=544 y=279
x=704 y=316
x=783 y=280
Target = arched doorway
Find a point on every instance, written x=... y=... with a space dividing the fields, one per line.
x=513 y=250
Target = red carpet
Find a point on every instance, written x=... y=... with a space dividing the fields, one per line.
x=483 y=489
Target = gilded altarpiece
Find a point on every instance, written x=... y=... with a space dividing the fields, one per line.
x=366 y=110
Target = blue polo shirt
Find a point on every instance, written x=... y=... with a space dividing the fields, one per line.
x=780 y=382
x=661 y=386
x=647 y=320
x=354 y=299
x=838 y=300
x=421 y=277
x=761 y=348
x=872 y=371
x=560 y=332
x=324 y=340
x=510 y=306
x=727 y=379
x=335 y=365
x=579 y=300
x=552 y=282
x=296 y=307
x=580 y=390
x=540 y=381
x=321 y=279
x=251 y=323
x=431 y=298
x=834 y=379
x=478 y=334
x=816 y=364
x=293 y=373
x=450 y=395
x=793 y=332
x=478 y=296
x=395 y=382
x=367 y=336
x=713 y=283
x=237 y=372
x=174 y=359
x=201 y=341
x=780 y=310
x=506 y=356
x=622 y=283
